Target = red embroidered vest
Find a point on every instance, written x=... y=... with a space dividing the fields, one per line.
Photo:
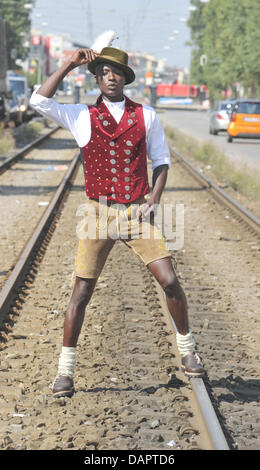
x=115 y=157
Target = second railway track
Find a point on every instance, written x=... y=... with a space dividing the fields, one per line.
x=26 y=190
x=8 y=162
x=219 y=269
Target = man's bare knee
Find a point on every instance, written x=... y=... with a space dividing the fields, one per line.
x=170 y=284
x=82 y=292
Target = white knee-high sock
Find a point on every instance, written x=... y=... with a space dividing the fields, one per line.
x=185 y=343
x=67 y=361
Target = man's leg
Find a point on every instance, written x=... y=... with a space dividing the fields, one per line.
x=81 y=295
x=164 y=273
x=90 y=260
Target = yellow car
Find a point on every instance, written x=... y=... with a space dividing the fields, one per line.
x=244 y=120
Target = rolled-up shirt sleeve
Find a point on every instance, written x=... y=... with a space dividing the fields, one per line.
x=49 y=108
x=156 y=143
x=74 y=117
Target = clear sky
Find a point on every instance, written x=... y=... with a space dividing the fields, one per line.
x=148 y=26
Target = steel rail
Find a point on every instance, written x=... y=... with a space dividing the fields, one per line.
x=11 y=160
x=204 y=406
x=248 y=217
x=208 y=415
x=7 y=292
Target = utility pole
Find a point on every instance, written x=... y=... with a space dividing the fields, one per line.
x=128 y=35
x=90 y=24
x=3 y=57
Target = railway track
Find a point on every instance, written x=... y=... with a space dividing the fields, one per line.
x=8 y=162
x=219 y=269
x=28 y=181
x=237 y=209
x=130 y=392
x=18 y=274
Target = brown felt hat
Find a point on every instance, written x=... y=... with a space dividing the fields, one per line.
x=116 y=57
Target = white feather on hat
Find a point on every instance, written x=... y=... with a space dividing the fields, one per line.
x=103 y=40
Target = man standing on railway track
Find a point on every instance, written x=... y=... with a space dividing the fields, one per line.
x=115 y=136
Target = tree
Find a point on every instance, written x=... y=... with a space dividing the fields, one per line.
x=17 y=16
x=252 y=48
x=197 y=26
x=227 y=32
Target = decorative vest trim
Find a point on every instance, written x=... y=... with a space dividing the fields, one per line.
x=115 y=157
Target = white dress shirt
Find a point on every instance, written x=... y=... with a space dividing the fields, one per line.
x=76 y=118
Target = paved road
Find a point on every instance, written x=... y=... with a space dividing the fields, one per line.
x=195 y=123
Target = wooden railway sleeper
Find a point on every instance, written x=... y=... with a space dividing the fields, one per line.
x=178 y=397
x=159 y=323
x=184 y=413
x=164 y=342
x=169 y=368
x=163 y=333
x=193 y=446
x=185 y=430
x=167 y=355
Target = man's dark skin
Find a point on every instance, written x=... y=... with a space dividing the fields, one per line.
x=111 y=81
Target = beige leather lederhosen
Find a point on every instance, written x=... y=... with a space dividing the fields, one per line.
x=103 y=224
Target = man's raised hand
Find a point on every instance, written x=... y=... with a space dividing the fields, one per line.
x=83 y=56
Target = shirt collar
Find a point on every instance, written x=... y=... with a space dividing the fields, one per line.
x=114 y=104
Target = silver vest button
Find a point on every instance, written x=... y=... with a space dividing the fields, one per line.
x=127 y=196
x=113 y=170
x=127 y=160
x=127 y=169
x=130 y=121
x=114 y=179
x=128 y=143
x=127 y=152
x=105 y=123
x=113 y=196
x=112 y=143
x=112 y=152
x=127 y=188
x=127 y=179
x=113 y=161
x=100 y=117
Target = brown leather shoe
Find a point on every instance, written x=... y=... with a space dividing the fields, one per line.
x=63 y=386
x=191 y=365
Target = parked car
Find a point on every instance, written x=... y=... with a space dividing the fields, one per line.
x=10 y=108
x=2 y=107
x=220 y=116
x=14 y=111
x=17 y=83
x=244 y=120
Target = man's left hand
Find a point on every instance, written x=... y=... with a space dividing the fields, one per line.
x=146 y=209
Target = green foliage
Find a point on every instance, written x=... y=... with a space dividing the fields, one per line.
x=18 y=25
x=197 y=27
x=228 y=32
